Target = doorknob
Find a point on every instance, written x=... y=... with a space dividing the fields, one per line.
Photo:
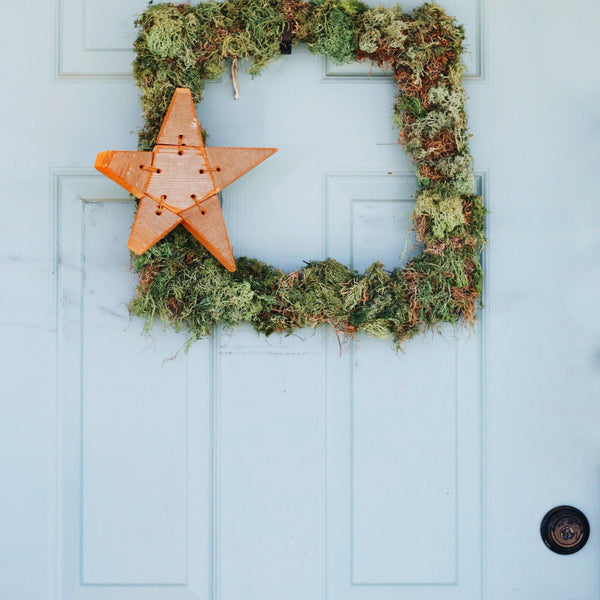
x=565 y=529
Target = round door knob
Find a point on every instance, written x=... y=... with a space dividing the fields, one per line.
x=565 y=530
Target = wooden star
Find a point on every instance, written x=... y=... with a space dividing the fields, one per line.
x=179 y=180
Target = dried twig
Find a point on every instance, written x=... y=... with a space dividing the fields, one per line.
x=234 y=78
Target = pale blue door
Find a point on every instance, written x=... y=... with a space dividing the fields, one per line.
x=284 y=468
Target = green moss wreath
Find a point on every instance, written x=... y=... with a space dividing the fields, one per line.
x=181 y=284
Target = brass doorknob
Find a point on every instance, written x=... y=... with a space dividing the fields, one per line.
x=565 y=529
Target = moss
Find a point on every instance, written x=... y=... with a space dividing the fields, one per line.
x=182 y=285
x=255 y=30
x=412 y=105
x=205 y=293
x=173 y=32
x=332 y=29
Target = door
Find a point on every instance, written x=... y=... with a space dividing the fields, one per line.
x=293 y=467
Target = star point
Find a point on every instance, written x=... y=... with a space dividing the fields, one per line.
x=179 y=180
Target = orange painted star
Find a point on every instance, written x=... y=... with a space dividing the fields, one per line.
x=179 y=180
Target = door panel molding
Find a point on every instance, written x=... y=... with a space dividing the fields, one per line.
x=130 y=448
x=381 y=416
x=269 y=477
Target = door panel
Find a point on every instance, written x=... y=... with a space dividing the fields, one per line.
x=131 y=436
x=404 y=494
x=95 y=38
x=300 y=466
x=269 y=469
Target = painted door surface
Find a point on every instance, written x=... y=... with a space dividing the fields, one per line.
x=288 y=467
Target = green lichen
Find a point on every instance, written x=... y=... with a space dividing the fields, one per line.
x=443 y=210
x=383 y=28
x=457 y=171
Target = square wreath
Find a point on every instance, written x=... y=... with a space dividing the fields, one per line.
x=182 y=285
